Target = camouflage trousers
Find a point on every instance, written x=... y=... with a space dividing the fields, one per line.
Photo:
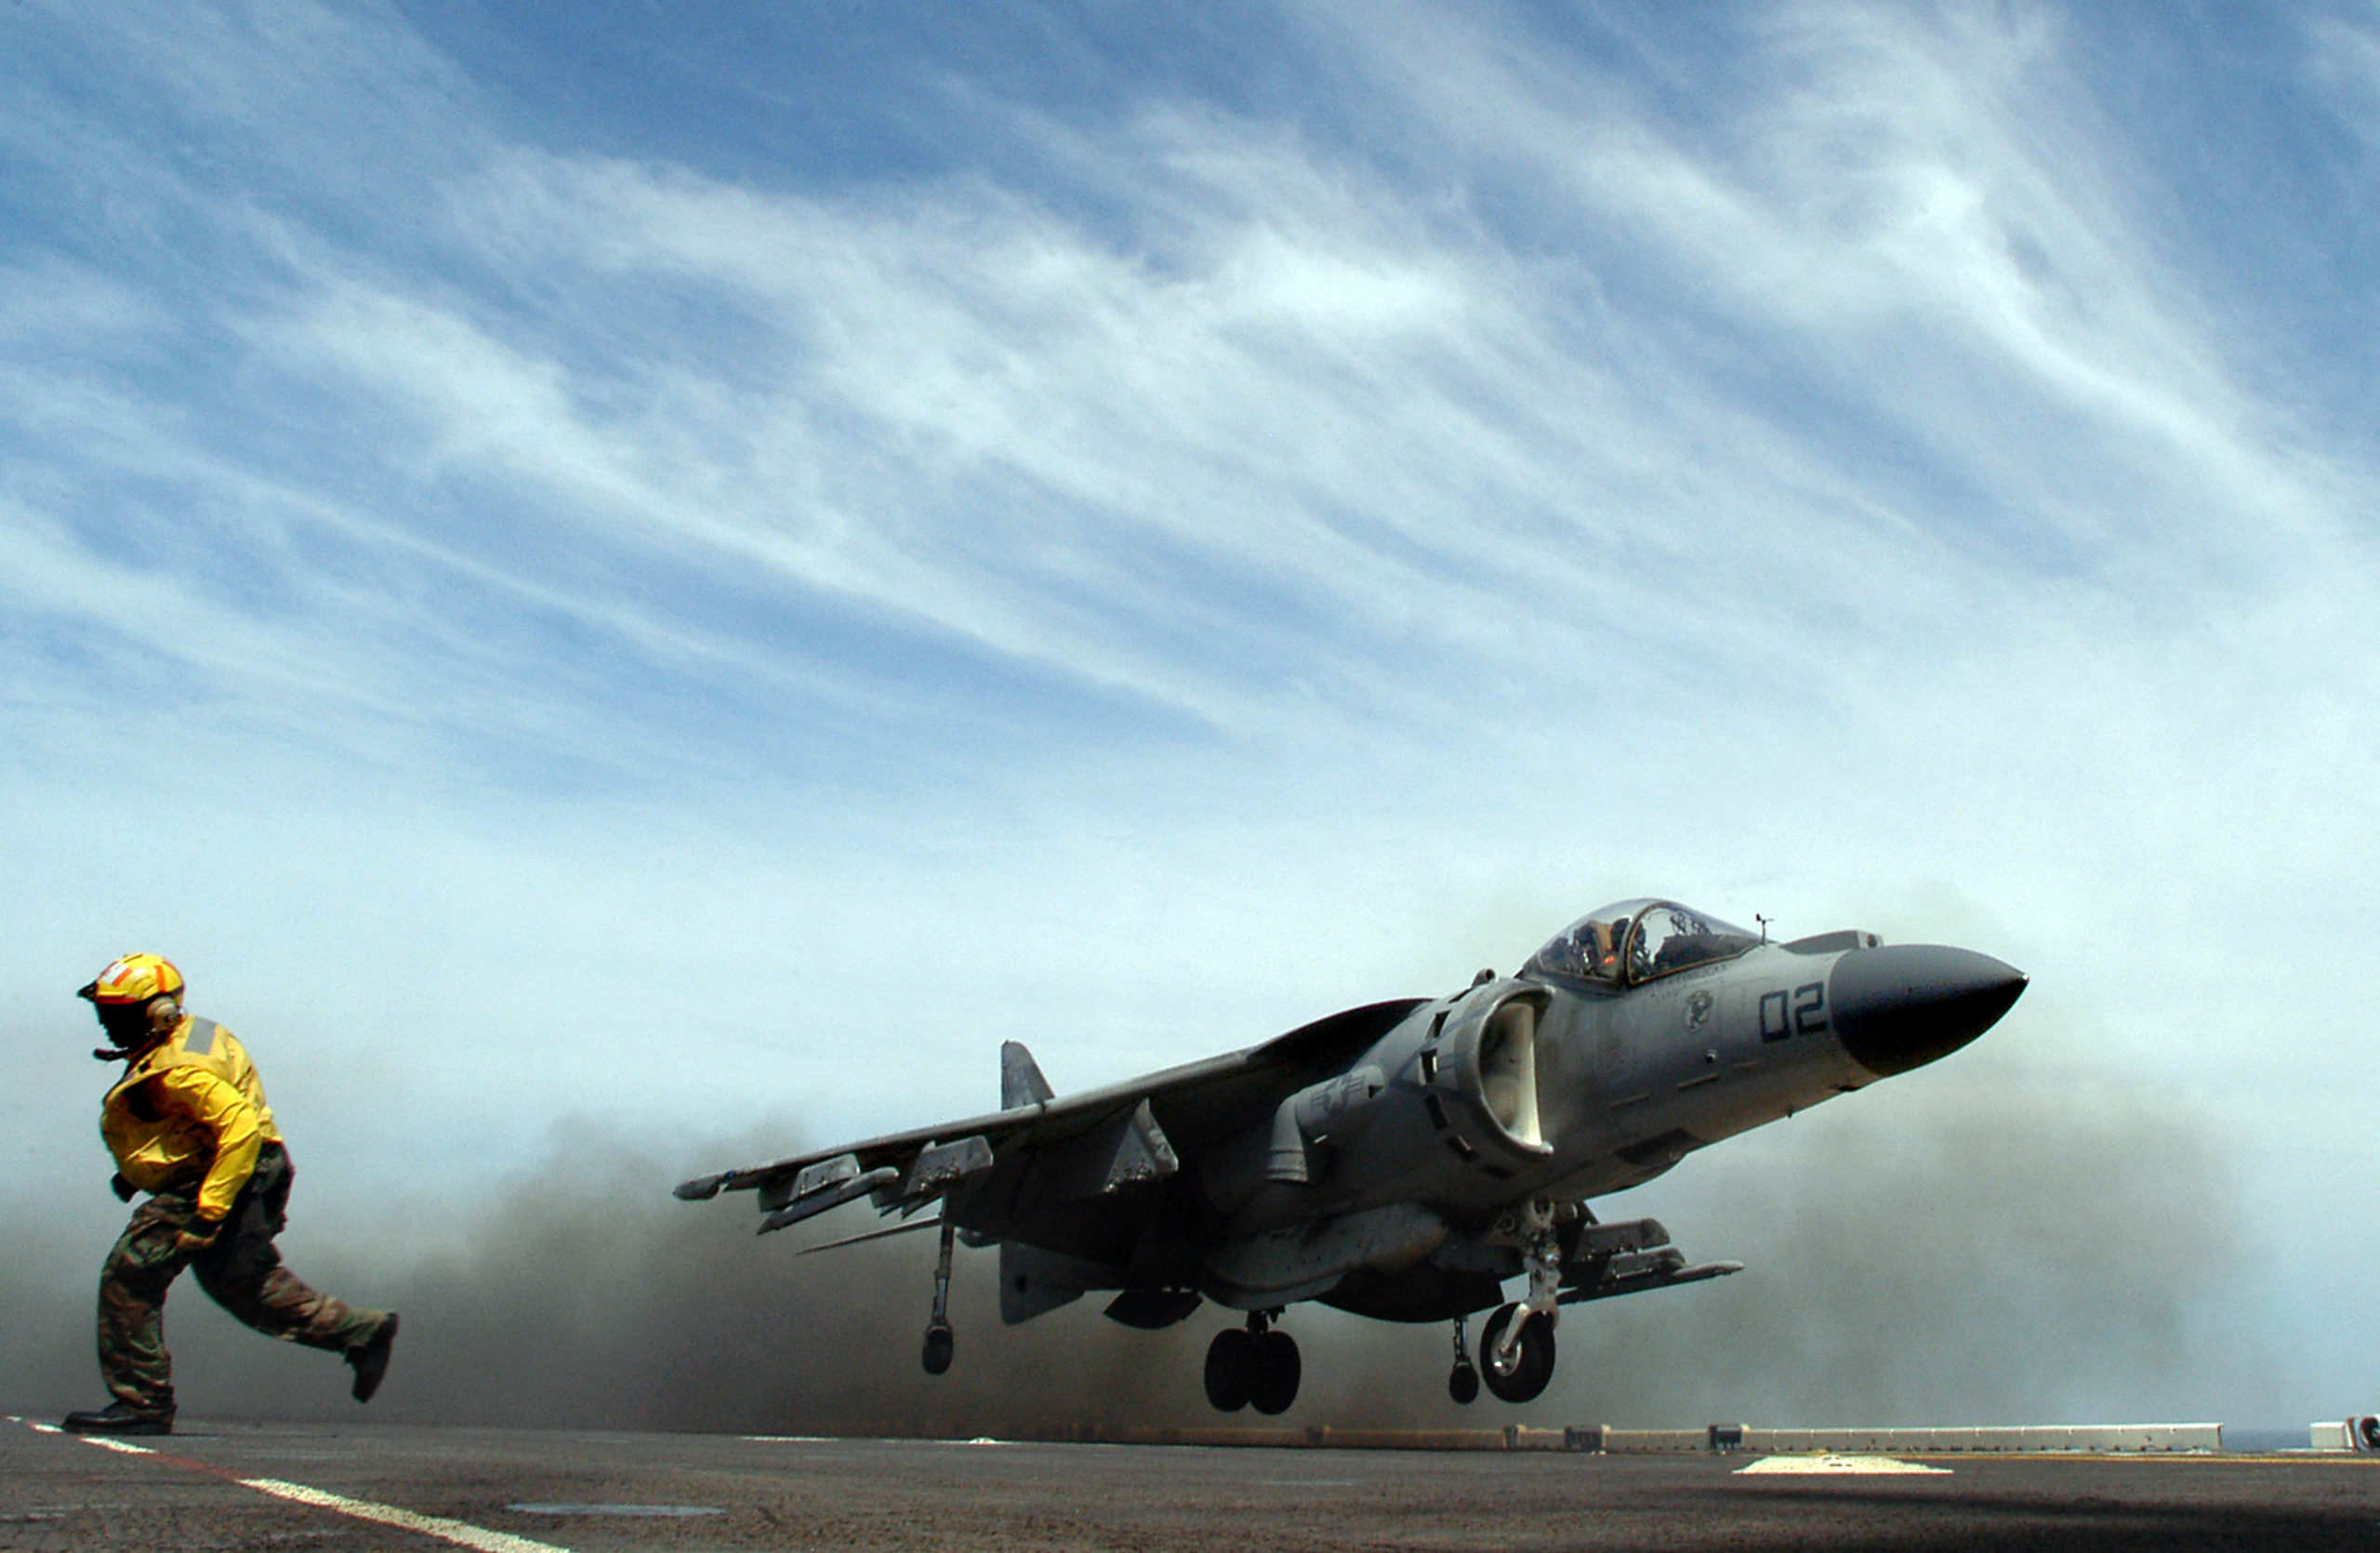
x=240 y=1269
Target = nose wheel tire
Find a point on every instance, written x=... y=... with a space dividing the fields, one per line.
x=1522 y=1376
x=1230 y=1365
x=1462 y=1383
x=940 y=1344
x=1273 y=1381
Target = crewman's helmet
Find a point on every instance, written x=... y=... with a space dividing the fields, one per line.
x=133 y=980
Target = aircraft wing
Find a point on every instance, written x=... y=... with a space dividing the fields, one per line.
x=1090 y=1146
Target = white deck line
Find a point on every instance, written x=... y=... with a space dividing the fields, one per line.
x=461 y=1533
x=106 y=1444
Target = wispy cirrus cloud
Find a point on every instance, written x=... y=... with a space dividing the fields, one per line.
x=1481 y=394
x=1283 y=410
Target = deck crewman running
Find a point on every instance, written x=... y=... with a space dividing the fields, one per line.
x=187 y=1124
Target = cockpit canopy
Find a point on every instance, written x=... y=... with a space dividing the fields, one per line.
x=1638 y=941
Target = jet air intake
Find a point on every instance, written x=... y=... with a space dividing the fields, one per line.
x=1484 y=1064
x=1905 y=1006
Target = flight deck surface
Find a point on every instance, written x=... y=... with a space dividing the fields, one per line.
x=418 y=1490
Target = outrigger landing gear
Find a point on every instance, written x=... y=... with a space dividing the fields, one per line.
x=940 y=1341
x=1462 y=1381
x=1253 y=1366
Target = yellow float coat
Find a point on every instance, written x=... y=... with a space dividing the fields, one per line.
x=190 y=1106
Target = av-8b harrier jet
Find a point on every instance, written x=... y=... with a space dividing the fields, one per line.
x=1407 y=1161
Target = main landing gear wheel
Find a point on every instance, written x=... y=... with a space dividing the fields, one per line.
x=940 y=1344
x=1253 y=1366
x=1230 y=1359
x=1273 y=1378
x=1521 y=1375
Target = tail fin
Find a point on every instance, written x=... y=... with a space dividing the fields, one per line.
x=1021 y=1079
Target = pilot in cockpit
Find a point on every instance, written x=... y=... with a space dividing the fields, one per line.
x=1602 y=954
x=1637 y=941
x=1591 y=948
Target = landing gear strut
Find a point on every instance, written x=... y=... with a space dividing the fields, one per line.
x=1516 y=1351
x=940 y=1342
x=1462 y=1382
x=1253 y=1366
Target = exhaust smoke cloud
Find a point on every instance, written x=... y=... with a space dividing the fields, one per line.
x=1980 y=1249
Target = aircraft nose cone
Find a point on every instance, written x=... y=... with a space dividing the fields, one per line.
x=1903 y=1006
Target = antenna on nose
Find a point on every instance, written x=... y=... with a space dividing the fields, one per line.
x=1763 y=926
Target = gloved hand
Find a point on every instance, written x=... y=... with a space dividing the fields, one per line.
x=123 y=1188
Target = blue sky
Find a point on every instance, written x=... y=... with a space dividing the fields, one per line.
x=684 y=569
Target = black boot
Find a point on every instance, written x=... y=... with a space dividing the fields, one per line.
x=370 y=1359
x=118 y=1419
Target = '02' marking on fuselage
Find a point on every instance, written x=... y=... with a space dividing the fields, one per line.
x=1800 y=1012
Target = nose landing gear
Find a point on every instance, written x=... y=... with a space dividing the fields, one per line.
x=1516 y=1349
x=1253 y=1366
x=1517 y=1364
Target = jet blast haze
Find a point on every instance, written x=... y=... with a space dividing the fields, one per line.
x=1407 y=1161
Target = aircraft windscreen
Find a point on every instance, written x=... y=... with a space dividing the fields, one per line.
x=1644 y=938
